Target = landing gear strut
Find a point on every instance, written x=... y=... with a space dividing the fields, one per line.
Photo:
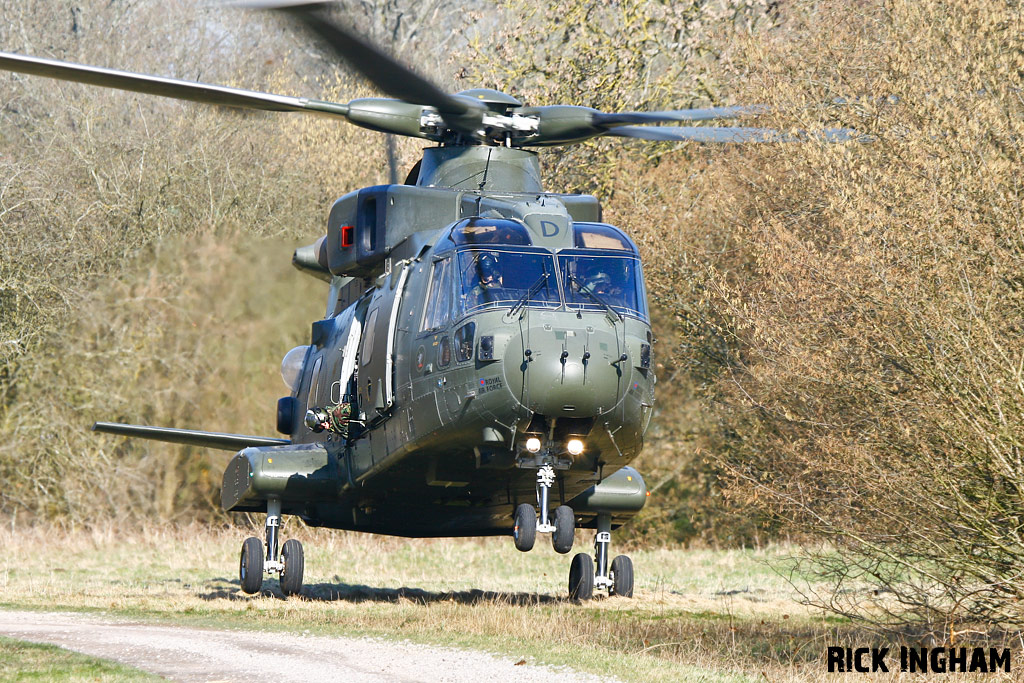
x=563 y=526
x=616 y=578
x=288 y=564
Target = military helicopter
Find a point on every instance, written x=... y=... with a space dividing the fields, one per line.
x=483 y=366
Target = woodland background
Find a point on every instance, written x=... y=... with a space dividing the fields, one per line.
x=840 y=327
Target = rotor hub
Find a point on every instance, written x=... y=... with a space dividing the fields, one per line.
x=495 y=100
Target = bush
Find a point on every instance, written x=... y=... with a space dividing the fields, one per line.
x=860 y=326
x=128 y=223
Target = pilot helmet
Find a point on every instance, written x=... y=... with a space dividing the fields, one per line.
x=600 y=281
x=489 y=270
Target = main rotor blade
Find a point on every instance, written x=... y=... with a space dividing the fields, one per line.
x=735 y=134
x=166 y=87
x=391 y=77
x=706 y=114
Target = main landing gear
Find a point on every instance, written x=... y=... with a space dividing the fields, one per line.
x=288 y=564
x=562 y=526
x=617 y=578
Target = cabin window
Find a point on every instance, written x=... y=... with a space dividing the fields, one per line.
x=464 y=342
x=503 y=277
x=592 y=281
x=437 y=311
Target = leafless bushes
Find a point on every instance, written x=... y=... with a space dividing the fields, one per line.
x=629 y=55
x=857 y=310
x=127 y=223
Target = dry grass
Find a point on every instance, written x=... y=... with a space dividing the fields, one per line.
x=697 y=615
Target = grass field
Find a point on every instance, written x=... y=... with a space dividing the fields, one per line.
x=696 y=614
x=21 y=661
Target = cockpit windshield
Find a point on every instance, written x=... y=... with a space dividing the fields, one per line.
x=504 y=277
x=591 y=281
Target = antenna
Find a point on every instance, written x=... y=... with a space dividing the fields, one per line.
x=487 y=165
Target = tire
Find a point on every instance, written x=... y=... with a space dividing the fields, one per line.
x=581 y=577
x=294 y=564
x=622 y=576
x=250 y=566
x=565 y=529
x=524 y=533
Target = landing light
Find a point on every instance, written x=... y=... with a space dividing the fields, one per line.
x=533 y=444
x=575 y=446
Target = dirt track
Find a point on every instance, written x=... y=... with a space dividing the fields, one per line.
x=193 y=654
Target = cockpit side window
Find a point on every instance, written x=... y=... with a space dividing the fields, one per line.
x=437 y=312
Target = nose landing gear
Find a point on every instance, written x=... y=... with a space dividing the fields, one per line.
x=562 y=528
x=524 y=533
x=616 y=578
x=288 y=564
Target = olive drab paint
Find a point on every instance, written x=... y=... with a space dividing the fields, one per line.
x=441 y=452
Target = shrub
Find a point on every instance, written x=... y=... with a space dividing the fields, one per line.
x=863 y=325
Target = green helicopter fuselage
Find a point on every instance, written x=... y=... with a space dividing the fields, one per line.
x=474 y=333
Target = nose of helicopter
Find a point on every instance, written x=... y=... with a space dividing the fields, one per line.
x=567 y=371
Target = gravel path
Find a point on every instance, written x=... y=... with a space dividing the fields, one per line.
x=193 y=654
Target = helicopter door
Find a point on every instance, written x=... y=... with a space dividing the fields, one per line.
x=377 y=354
x=367 y=376
x=389 y=372
x=351 y=319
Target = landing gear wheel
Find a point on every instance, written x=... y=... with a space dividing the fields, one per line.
x=565 y=529
x=622 y=576
x=294 y=563
x=581 y=577
x=525 y=531
x=250 y=565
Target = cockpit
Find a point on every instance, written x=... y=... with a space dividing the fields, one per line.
x=487 y=263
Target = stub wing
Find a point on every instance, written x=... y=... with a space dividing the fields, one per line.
x=192 y=437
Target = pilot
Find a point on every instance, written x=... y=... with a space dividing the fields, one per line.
x=488 y=281
x=334 y=418
x=600 y=282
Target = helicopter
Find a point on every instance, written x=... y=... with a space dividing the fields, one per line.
x=484 y=363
